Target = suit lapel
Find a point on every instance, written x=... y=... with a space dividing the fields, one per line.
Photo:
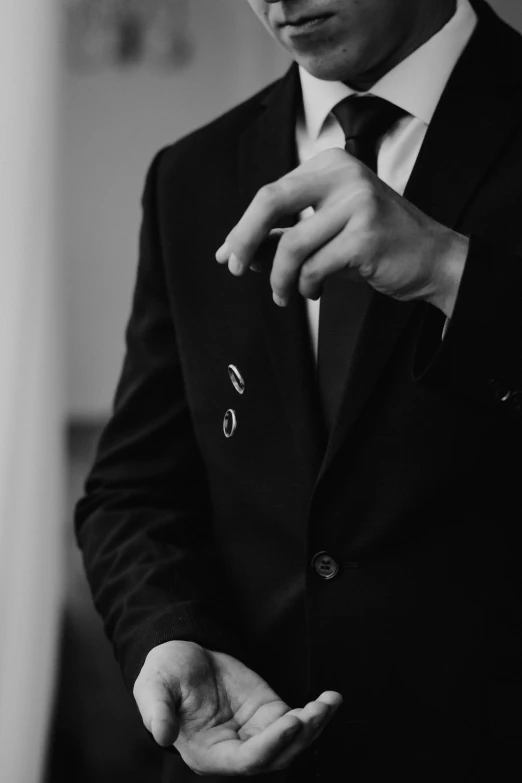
x=474 y=121
x=267 y=151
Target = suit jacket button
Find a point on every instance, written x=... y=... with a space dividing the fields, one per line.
x=229 y=423
x=325 y=565
x=237 y=379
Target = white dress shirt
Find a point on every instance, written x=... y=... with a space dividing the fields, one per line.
x=415 y=85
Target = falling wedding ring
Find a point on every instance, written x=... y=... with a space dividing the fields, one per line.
x=229 y=423
x=237 y=379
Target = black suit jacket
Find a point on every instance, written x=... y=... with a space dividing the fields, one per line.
x=189 y=535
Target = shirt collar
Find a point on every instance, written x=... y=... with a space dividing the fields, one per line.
x=415 y=84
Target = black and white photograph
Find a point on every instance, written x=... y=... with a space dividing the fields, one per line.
x=261 y=399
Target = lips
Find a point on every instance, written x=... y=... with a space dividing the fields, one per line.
x=304 y=19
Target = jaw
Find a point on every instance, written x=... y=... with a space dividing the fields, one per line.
x=348 y=61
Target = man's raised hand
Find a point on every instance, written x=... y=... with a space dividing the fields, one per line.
x=220 y=715
x=359 y=223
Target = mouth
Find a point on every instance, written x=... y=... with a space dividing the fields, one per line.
x=305 y=23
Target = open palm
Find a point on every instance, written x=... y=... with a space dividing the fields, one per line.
x=222 y=717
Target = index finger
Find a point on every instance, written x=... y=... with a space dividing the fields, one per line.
x=315 y=717
x=250 y=756
x=287 y=196
x=278 y=740
x=262 y=749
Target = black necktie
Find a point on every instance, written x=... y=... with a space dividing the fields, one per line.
x=344 y=303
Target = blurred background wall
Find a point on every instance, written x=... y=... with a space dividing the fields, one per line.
x=113 y=120
x=31 y=385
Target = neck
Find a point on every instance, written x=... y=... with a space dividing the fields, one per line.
x=430 y=19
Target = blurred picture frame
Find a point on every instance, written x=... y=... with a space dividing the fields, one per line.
x=123 y=33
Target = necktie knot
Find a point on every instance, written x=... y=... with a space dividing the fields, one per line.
x=365 y=120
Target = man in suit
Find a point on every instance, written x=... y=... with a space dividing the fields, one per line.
x=302 y=525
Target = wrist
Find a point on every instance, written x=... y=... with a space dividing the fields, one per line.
x=450 y=268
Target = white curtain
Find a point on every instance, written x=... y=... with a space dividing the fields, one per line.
x=31 y=520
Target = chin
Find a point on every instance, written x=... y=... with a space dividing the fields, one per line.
x=339 y=65
x=324 y=68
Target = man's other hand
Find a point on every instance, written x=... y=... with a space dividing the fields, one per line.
x=220 y=715
x=359 y=223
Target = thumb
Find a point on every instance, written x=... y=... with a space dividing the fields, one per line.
x=157 y=705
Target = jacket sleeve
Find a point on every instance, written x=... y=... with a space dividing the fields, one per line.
x=481 y=354
x=144 y=524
